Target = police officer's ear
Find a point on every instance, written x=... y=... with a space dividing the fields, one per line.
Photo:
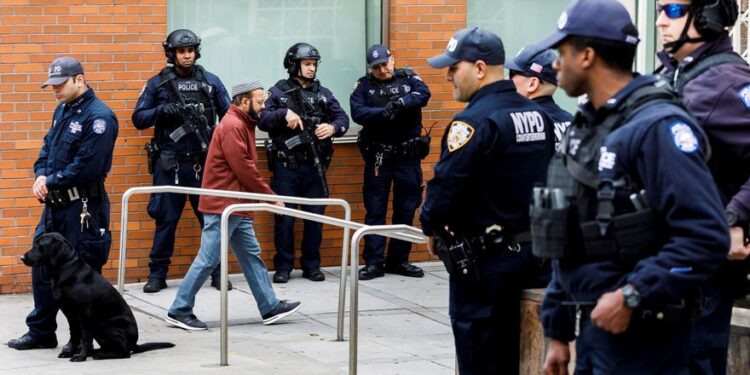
x=79 y=80
x=480 y=69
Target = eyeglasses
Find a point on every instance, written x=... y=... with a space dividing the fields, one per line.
x=673 y=11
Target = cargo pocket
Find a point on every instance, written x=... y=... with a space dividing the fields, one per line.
x=93 y=247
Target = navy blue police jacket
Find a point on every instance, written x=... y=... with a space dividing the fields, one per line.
x=273 y=117
x=491 y=156
x=156 y=94
x=367 y=112
x=561 y=118
x=661 y=147
x=719 y=98
x=78 y=147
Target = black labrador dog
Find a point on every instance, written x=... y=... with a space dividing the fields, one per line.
x=93 y=307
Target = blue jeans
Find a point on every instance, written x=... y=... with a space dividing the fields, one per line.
x=246 y=249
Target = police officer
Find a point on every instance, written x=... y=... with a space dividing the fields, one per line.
x=301 y=117
x=388 y=103
x=714 y=83
x=70 y=171
x=629 y=214
x=531 y=70
x=183 y=103
x=477 y=204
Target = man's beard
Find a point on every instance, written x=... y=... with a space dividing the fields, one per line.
x=253 y=115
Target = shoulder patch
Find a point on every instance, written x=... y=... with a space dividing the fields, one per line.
x=459 y=134
x=744 y=95
x=99 y=126
x=683 y=137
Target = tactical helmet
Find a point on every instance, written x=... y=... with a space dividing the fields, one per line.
x=298 y=52
x=713 y=16
x=181 y=38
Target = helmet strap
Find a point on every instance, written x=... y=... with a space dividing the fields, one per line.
x=675 y=45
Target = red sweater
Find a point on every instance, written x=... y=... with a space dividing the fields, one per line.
x=230 y=163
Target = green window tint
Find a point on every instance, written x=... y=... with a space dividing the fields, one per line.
x=519 y=23
x=248 y=38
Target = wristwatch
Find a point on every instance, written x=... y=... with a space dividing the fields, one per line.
x=631 y=297
x=732 y=217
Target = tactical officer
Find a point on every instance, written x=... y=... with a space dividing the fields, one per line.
x=388 y=103
x=531 y=70
x=70 y=171
x=714 y=83
x=630 y=240
x=477 y=204
x=301 y=117
x=183 y=103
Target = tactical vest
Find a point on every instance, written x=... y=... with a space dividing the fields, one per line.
x=393 y=89
x=195 y=90
x=309 y=104
x=574 y=216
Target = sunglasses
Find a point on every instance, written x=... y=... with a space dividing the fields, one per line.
x=673 y=11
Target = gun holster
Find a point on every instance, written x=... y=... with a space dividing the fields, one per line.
x=459 y=258
x=168 y=160
x=152 y=154
x=270 y=153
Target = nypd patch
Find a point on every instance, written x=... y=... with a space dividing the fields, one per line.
x=683 y=137
x=99 y=126
x=744 y=95
x=459 y=134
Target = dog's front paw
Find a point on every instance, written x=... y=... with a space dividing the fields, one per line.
x=78 y=358
x=65 y=354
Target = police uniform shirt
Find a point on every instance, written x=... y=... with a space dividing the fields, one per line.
x=273 y=117
x=78 y=147
x=370 y=96
x=156 y=93
x=492 y=154
x=561 y=119
x=661 y=148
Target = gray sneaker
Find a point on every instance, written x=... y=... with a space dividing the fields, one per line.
x=284 y=308
x=190 y=322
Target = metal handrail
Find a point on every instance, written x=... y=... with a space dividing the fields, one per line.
x=354 y=299
x=393 y=231
x=227 y=194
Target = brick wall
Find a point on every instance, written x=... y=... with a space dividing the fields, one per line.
x=119 y=44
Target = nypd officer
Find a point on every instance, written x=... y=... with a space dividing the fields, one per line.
x=70 y=171
x=531 y=71
x=630 y=239
x=714 y=83
x=183 y=103
x=477 y=204
x=301 y=117
x=388 y=103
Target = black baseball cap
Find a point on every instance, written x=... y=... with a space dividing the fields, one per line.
x=471 y=44
x=533 y=62
x=601 y=19
x=377 y=54
x=61 y=69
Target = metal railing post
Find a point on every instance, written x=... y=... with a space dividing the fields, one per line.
x=354 y=299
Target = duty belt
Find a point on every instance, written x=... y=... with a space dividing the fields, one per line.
x=497 y=239
x=63 y=197
x=195 y=157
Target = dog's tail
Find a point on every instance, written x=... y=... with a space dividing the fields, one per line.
x=140 y=348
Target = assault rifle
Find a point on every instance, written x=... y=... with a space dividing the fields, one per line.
x=310 y=120
x=193 y=120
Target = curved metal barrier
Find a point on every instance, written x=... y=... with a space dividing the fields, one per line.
x=228 y=194
x=393 y=231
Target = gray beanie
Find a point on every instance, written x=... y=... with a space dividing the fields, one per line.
x=246 y=85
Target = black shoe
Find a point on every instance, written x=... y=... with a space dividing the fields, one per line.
x=216 y=283
x=405 y=269
x=284 y=308
x=190 y=322
x=370 y=272
x=27 y=342
x=314 y=275
x=154 y=285
x=281 y=277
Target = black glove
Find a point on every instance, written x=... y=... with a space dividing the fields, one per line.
x=393 y=108
x=169 y=110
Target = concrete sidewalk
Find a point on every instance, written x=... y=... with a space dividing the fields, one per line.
x=403 y=329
